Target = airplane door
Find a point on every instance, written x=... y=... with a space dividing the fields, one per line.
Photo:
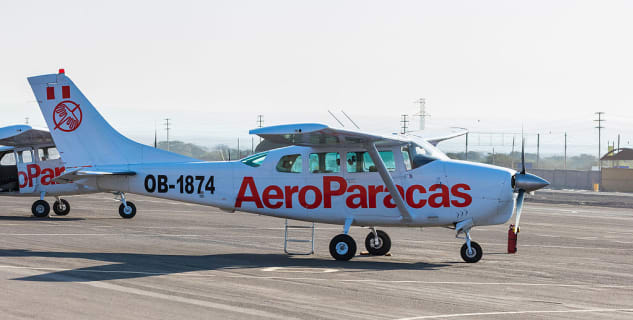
x=366 y=189
x=27 y=170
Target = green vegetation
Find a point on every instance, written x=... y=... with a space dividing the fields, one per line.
x=579 y=162
x=221 y=152
x=218 y=153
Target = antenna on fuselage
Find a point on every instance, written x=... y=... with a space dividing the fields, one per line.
x=335 y=118
x=350 y=119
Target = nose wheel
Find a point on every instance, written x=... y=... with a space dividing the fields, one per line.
x=473 y=254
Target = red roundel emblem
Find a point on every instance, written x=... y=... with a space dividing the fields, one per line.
x=67 y=116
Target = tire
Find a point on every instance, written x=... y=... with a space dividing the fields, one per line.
x=383 y=246
x=342 y=247
x=61 y=207
x=40 y=209
x=129 y=212
x=472 y=257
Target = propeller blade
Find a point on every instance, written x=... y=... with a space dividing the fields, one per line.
x=522 y=155
x=519 y=209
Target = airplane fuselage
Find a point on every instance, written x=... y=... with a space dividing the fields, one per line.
x=439 y=193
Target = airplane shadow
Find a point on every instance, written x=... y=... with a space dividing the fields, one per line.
x=31 y=218
x=135 y=265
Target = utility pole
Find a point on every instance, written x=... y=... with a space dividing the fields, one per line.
x=565 y=163
x=422 y=114
x=404 y=122
x=167 y=129
x=26 y=120
x=618 y=148
x=239 y=156
x=599 y=127
x=538 y=148
x=260 y=123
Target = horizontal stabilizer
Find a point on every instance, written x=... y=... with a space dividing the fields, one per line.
x=78 y=174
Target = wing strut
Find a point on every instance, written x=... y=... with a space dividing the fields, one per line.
x=386 y=178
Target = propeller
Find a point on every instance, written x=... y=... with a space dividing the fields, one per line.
x=525 y=182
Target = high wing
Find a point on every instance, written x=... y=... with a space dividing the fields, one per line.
x=320 y=135
x=24 y=135
x=315 y=135
x=434 y=140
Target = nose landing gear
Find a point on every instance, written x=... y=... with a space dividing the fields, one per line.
x=471 y=251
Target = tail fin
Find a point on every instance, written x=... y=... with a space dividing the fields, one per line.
x=81 y=135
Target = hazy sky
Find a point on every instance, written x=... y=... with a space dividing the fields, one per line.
x=212 y=66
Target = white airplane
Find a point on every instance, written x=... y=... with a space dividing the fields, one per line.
x=324 y=175
x=29 y=163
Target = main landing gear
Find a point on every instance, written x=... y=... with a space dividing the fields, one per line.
x=343 y=246
x=127 y=209
x=471 y=251
x=41 y=208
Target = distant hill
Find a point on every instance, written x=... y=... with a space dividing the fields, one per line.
x=218 y=153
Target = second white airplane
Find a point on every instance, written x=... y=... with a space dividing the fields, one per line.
x=324 y=175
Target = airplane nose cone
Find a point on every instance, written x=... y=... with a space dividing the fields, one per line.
x=529 y=182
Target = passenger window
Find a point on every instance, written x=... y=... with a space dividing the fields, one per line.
x=255 y=160
x=361 y=161
x=26 y=156
x=406 y=157
x=53 y=154
x=8 y=159
x=290 y=163
x=43 y=155
x=325 y=162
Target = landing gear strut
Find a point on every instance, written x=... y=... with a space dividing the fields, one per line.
x=377 y=242
x=61 y=207
x=127 y=209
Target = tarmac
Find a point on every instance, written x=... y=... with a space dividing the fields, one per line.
x=182 y=261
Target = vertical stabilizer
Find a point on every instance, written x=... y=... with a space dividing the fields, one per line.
x=82 y=136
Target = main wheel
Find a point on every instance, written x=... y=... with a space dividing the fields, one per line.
x=342 y=247
x=127 y=212
x=474 y=254
x=40 y=209
x=61 y=207
x=378 y=246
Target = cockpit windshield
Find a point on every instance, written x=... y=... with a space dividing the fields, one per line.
x=422 y=152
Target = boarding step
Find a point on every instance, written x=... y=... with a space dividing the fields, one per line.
x=302 y=231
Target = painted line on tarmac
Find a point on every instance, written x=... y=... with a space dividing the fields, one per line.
x=484 y=314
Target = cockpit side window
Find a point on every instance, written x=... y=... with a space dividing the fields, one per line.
x=290 y=164
x=8 y=159
x=325 y=162
x=255 y=160
x=362 y=162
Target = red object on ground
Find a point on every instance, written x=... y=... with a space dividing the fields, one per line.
x=512 y=240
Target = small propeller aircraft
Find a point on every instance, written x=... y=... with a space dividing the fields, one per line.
x=323 y=175
x=29 y=162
